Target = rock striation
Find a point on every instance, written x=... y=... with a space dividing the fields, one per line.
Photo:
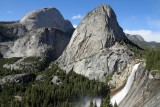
x=42 y=33
x=39 y=42
x=97 y=47
x=144 y=91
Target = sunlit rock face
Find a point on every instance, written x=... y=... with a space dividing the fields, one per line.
x=46 y=17
x=144 y=91
x=135 y=37
x=39 y=42
x=118 y=97
x=95 y=49
x=47 y=34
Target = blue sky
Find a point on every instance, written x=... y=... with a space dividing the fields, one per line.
x=134 y=16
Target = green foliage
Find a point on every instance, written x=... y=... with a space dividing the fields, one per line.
x=115 y=105
x=30 y=65
x=150 y=54
x=32 y=59
x=109 y=78
x=106 y=101
x=95 y=104
x=3 y=61
x=153 y=59
x=34 y=63
x=152 y=45
x=91 y=103
x=138 y=53
x=47 y=94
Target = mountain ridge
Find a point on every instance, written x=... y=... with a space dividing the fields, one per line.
x=97 y=37
x=82 y=64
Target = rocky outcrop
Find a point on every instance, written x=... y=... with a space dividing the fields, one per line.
x=39 y=43
x=41 y=77
x=119 y=79
x=27 y=64
x=10 y=31
x=4 y=47
x=144 y=91
x=18 y=78
x=135 y=38
x=56 y=80
x=97 y=47
x=46 y=17
x=42 y=33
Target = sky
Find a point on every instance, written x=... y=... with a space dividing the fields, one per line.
x=134 y=16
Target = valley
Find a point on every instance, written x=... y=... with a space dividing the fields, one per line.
x=46 y=62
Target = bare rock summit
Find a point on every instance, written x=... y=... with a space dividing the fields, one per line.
x=46 y=17
x=135 y=38
x=97 y=47
x=42 y=33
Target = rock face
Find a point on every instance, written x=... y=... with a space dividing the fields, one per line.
x=135 y=38
x=97 y=47
x=26 y=64
x=46 y=17
x=18 y=78
x=41 y=77
x=42 y=33
x=144 y=91
x=139 y=40
x=10 y=31
x=39 y=42
x=119 y=79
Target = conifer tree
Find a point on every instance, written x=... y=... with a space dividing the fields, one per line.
x=115 y=105
x=91 y=103
x=95 y=104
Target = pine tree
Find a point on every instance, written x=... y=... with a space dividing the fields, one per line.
x=101 y=105
x=91 y=103
x=106 y=102
x=95 y=104
x=115 y=105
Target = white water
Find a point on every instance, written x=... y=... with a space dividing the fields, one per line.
x=87 y=102
x=121 y=94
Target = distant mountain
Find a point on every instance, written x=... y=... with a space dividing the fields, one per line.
x=65 y=66
x=42 y=33
x=135 y=37
x=139 y=40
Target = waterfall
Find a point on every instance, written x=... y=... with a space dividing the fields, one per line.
x=118 y=97
x=87 y=102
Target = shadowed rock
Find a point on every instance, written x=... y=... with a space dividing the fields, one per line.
x=18 y=78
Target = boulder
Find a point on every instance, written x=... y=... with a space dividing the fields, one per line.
x=41 y=77
x=56 y=80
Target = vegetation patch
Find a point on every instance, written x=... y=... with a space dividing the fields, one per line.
x=73 y=89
